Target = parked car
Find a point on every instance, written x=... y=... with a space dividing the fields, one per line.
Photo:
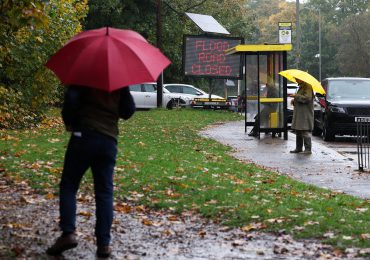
x=291 y=90
x=145 y=96
x=345 y=99
x=188 y=92
x=234 y=101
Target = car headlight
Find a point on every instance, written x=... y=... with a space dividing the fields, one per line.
x=337 y=109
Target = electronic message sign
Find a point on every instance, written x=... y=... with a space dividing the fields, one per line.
x=204 y=56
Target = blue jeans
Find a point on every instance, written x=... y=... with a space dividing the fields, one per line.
x=98 y=151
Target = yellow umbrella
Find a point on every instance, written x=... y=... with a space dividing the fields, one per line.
x=294 y=74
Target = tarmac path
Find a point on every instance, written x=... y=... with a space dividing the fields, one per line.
x=325 y=167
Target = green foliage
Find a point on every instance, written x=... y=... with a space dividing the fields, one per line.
x=354 y=51
x=13 y=114
x=344 y=27
x=26 y=46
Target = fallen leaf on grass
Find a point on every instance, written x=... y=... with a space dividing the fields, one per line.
x=202 y=233
x=364 y=251
x=147 y=222
x=238 y=243
x=17 y=226
x=85 y=214
x=365 y=236
x=140 y=208
x=122 y=208
x=168 y=232
x=329 y=235
x=276 y=220
x=50 y=196
x=311 y=223
x=253 y=226
x=173 y=218
x=337 y=252
x=280 y=249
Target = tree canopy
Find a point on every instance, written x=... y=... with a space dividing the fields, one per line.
x=32 y=30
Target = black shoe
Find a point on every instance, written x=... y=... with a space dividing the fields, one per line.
x=63 y=243
x=296 y=151
x=103 y=251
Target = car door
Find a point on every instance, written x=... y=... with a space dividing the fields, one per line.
x=144 y=95
x=150 y=95
x=138 y=95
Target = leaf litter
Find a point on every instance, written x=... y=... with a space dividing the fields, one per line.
x=29 y=224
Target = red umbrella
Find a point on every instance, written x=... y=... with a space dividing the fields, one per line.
x=107 y=59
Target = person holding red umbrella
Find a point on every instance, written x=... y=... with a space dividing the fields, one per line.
x=92 y=117
x=97 y=66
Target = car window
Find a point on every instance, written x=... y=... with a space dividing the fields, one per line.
x=149 y=88
x=348 y=89
x=136 y=88
x=292 y=89
x=190 y=90
x=174 y=89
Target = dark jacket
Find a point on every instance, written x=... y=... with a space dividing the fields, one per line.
x=88 y=108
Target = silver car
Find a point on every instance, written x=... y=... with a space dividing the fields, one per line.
x=145 y=96
x=187 y=92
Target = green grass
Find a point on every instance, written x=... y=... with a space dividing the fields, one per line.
x=164 y=163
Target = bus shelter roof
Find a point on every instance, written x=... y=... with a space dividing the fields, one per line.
x=243 y=48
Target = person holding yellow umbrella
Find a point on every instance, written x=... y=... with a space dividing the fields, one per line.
x=303 y=117
x=303 y=113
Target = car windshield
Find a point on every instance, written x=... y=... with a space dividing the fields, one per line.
x=348 y=89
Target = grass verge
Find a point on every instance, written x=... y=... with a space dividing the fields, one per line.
x=164 y=163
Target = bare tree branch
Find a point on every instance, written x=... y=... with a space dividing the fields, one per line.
x=199 y=4
x=186 y=10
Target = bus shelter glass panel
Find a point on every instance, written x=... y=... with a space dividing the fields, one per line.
x=251 y=65
x=265 y=92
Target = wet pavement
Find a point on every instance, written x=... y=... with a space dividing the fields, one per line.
x=325 y=167
x=30 y=224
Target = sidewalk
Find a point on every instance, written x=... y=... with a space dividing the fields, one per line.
x=325 y=168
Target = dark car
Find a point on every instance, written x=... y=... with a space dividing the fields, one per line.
x=345 y=99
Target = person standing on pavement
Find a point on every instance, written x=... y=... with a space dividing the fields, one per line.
x=91 y=115
x=303 y=117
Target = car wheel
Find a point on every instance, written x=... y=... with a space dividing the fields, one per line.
x=175 y=103
x=327 y=134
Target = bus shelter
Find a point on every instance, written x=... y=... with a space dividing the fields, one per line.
x=265 y=93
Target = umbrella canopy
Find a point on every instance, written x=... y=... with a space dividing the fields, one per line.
x=294 y=74
x=107 y=59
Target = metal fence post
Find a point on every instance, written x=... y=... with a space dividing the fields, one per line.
x=363 y=145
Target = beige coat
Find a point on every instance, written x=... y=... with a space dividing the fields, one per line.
x=303 y=108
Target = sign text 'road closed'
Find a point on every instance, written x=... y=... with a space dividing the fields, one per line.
x=205 y=57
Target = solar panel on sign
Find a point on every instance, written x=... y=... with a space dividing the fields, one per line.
x=207 y=23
